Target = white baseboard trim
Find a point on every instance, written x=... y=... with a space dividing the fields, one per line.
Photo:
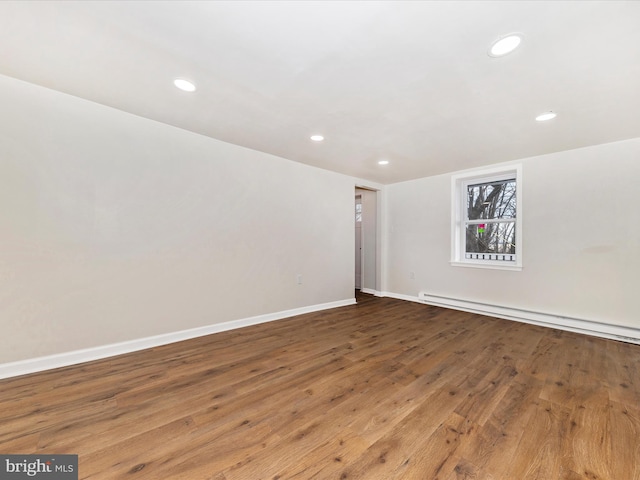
x=65 y=359
x=401 y=296
x=371 y=291
x=587 y=327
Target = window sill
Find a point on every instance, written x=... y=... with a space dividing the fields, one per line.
x=489 y=265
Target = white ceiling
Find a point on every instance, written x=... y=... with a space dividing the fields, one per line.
x=410 y=82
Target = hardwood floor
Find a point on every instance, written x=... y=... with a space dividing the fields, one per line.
x=384 y=389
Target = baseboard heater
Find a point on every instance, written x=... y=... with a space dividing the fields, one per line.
x=588 y=327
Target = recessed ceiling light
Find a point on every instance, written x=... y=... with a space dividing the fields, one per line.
x=383 y=162
x=545 y=116
x=505 y=45
x=317 y=138
x=184 y=85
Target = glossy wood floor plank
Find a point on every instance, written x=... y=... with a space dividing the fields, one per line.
x=384 y=389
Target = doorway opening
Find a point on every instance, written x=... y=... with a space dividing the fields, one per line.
x=366 y=240
x=358 y=245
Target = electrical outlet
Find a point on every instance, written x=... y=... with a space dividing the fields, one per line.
x=412 y=275
x=299 y=279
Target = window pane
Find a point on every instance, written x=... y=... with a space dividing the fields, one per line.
x=491 y=200
x=499 y=238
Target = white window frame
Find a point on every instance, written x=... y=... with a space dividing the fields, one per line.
x=459 y=184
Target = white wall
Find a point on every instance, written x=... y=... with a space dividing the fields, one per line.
x=581 y=238
x=114 y=227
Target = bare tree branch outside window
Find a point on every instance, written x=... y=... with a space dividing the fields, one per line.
x=491 y=218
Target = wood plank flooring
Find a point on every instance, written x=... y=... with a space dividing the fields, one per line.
x=384 y=389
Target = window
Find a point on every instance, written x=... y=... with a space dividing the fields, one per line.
x=487 y=219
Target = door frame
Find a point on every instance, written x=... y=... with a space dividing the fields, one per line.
x=377 y=240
